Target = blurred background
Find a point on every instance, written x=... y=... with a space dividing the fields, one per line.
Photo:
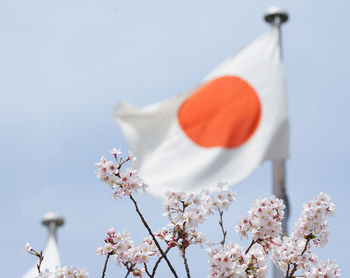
x=65 y=65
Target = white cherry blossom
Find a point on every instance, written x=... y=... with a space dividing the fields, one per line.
x=27 y=248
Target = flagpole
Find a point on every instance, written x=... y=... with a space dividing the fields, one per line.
x=276 y=16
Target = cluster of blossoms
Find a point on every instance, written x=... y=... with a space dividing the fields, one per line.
x=324 y=270
x=126 y=252
x=289 y=251
x=65 y=272
x=187 y=210
x=123 y=182
x=292 y=252
x=263 y=221
x=263 y=224
x=290 y=255
x=230 y=261
x=312 y=223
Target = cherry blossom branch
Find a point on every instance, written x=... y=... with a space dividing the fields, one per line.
x=105 y=266
x=183 y=254
x=153 y=237
x=221 y=223
x=183 y=249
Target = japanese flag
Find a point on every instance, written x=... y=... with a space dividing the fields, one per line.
x=222 y=130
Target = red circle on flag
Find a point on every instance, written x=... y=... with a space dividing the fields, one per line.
x=224 y=112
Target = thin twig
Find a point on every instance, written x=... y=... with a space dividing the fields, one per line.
x=306 y=244
x=153 y=237
x=250 y=246
x=158 y=261
x=221 y=223
x=105 y=266
x=287 y=273
x=183 y=250
x=146 y=270
x=295 y=266
x=41 y=258
x=127 y=274
x=183 y=253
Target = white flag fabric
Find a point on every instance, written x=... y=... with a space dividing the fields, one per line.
x=51 y=259
x=223 y=130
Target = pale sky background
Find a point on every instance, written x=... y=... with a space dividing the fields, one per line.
x=64 y=66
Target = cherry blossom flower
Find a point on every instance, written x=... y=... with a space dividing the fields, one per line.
x=27 y=248
x=115 y=151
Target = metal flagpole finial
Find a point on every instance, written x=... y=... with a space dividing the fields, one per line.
x=273 y=13
x=52 y=220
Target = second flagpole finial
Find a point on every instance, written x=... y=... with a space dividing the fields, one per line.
x=275 y=12
x=52 y=221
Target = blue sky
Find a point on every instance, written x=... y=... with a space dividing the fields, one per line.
x=66 y=64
